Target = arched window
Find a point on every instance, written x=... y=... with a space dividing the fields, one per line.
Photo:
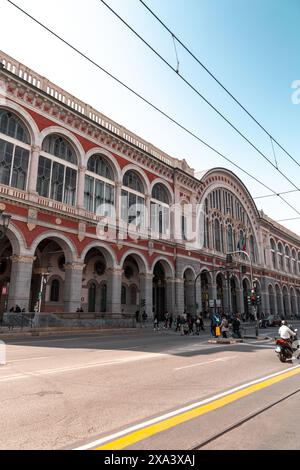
x=273 y=253
x=280 y=257
x=287 y=259
x=123 y=295
x=217 y=231
x=133 y=181
x=14 y=150
x=99 y=190
x=206 y=224
x=12 y=126
x=133 y=199
x=160 y=210
x=54 y=293
x=58 y=146
x=252 y=248
x=230 y=245
x=57 y=180
x=294 y=262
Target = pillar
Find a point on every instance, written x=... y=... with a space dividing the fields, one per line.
x=73 y=286
x=179 y=301
x=114 y=286
x=20 y=281
x=198 y=295
x=170 y=295
x=80 y=187
x=33 y=172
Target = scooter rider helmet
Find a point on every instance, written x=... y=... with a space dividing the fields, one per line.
x=283 y=322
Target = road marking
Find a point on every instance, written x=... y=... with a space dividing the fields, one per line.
x=28 y=359
x=223 y=359
x=139 y=432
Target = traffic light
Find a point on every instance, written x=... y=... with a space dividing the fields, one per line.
x=143 y=303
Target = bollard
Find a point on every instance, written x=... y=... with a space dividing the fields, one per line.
x=2 y=353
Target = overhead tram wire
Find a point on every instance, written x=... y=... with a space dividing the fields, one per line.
x=278 y=194
x=156 y=108
x=218 y=82
x=275 y=166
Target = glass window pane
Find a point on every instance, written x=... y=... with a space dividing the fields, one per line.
x=57 y=181
x=43 y=180
x=6 y=154
x=20 y=168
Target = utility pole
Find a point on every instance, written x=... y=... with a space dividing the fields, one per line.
x=253 y=285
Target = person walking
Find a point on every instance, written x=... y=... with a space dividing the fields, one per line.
x=224 y=327
x=236 y=326
x=156 y=323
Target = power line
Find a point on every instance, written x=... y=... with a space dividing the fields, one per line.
x=275 y=166
x=218 y=82
x=286 y=220
x=156 y=108
x=278 y=194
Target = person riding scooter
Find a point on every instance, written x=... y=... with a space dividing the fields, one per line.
x=286 y=333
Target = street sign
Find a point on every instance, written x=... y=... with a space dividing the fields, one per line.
x=211 y=303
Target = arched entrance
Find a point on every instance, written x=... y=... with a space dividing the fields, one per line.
x=246 y=293
x=132 y=269
x=159 y=291
x=95 y=280
x=272 y=300
x=278 y=300
x=293 y=302
x=48 y=269
x=233 y=294
x=6 y=252
x=286 y=302
x=205 y=291
x=220 y=292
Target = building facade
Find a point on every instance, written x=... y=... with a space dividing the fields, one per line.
x=92 y=222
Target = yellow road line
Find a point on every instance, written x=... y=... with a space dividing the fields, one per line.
x=149 y=431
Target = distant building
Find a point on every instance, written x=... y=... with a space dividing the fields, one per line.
x=60 y=160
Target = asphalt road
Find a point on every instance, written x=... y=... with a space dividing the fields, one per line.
x=83 y=391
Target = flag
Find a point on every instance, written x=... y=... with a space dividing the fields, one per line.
x=241 y=246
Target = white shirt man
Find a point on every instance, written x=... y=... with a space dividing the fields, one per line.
x=285 y=332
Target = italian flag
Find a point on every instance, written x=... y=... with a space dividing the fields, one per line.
x=242 y=243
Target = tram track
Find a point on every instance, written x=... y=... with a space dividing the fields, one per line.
x=242 y=421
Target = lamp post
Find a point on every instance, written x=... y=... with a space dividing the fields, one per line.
x=253 y=282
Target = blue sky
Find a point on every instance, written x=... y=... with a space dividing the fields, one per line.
x=252 y=46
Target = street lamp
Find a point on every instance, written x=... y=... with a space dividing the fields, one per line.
x=253 y=281
x=5 y=220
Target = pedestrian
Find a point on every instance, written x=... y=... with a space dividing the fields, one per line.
x=144 y=318
x=177 y=327
x=156 y=323
x=224 y=327
x=171 y=321
x=167 y=317
x=236 y=326
x=137 y=316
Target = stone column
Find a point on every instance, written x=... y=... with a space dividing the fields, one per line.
x=80 y=187
x=146 y=289
x=114 y=286
x=170 y=295
x=20 y=281
x=73 y=286
x=179 y=296
x=33 y=169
